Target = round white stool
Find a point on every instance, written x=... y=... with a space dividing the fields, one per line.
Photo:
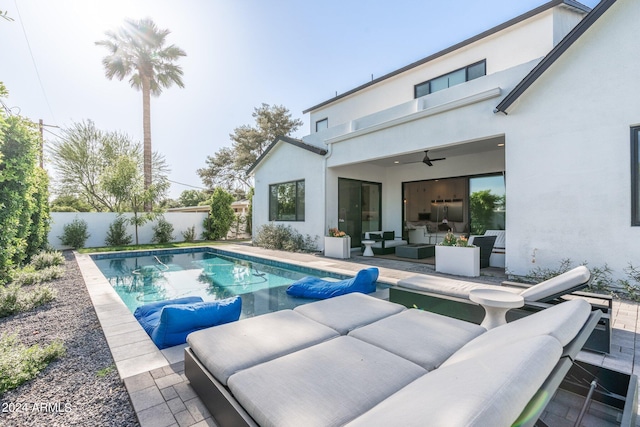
x=367 y=247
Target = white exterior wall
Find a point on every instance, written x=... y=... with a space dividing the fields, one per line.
x=285 y=163
x=528 y=40
x=98 y=225
x=568 y=148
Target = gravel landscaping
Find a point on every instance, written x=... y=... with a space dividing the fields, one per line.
x=82 y=388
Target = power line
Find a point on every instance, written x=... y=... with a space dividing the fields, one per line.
x=186 y=185
x=24 y=31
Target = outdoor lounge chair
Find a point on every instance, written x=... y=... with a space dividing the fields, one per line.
x=485 y=243
x=451 y=298
x=355 y=360
x=314 y=287
x=169 y=322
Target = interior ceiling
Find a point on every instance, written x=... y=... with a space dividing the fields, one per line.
x=475 y=147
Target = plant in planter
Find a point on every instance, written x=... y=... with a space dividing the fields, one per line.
x=454 y=255
x=450 y=239
x=337 y=244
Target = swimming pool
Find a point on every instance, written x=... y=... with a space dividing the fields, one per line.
x=143 y=277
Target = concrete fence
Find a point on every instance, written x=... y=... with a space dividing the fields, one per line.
x=98 y=225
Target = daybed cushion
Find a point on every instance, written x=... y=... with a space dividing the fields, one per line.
x=446 y=286
x=350 y=311
x=425 y=338
x=562 y=321
x=328 y=384
x=489 y=390
x=557 y=285
x=313 y=287
x=226 y=349
x=171 y=324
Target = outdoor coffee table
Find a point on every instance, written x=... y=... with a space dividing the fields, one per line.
x=496 y=303
x=417 y=251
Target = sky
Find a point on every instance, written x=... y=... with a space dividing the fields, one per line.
x=240 y=54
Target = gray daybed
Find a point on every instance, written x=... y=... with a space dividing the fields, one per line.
x=450 y=297
x=356 y=360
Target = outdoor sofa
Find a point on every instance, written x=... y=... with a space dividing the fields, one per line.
x=356 y=360
x=385 y=242
x=450 y=297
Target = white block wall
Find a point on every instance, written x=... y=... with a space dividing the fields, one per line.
x=98 y=225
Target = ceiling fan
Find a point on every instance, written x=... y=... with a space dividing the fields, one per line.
x=427 y=161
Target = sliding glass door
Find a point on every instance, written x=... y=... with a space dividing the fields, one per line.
x=359 y=208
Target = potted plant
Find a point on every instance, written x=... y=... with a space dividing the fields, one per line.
x=454 y=255
x=337 y=244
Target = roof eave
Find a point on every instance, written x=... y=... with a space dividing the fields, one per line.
x=293 y=141
x=553 y=55
x=484 y=34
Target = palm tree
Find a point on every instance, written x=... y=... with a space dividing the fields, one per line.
x=138 y=50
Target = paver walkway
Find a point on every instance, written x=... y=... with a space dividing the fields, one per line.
x=161 y=394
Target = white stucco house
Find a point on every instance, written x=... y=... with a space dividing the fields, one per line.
x=543 y=109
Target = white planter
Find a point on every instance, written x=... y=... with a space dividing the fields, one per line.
x=461 y=261
x=337 y=247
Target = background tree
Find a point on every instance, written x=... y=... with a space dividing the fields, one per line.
x=85 y=154
x=193 y=198
x=69 y=203
x=221 y=216
x=228 y=166
x=137 y=50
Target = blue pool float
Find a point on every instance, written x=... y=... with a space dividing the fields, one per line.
x=169 y=322
x=313 y=287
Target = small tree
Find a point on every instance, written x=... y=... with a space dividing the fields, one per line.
x=75 y=233
x=125 y=180
x=117 y=234
x=221 y=215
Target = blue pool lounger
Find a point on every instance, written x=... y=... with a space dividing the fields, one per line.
x=169 y=322
x=313 y=287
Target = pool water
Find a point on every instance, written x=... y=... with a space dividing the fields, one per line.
x=139 y=280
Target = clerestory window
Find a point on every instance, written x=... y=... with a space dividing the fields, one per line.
x=453 y=78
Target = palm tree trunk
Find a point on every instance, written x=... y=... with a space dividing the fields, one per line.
x=146 y=127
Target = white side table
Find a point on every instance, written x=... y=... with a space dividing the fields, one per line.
x=367 y=247
x=496 y=303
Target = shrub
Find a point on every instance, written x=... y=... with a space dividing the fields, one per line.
x=14 y=299
x=19 y=363
x=75 y=233
x=46 y=259
x=162 y=231
x=30 y=276
x=189 y=235
x=281 y=237
x=117 y=233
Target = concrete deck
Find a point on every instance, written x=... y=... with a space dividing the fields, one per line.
x=161 y=394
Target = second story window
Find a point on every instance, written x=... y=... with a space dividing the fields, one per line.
x=322 y=124
x=453 y=78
